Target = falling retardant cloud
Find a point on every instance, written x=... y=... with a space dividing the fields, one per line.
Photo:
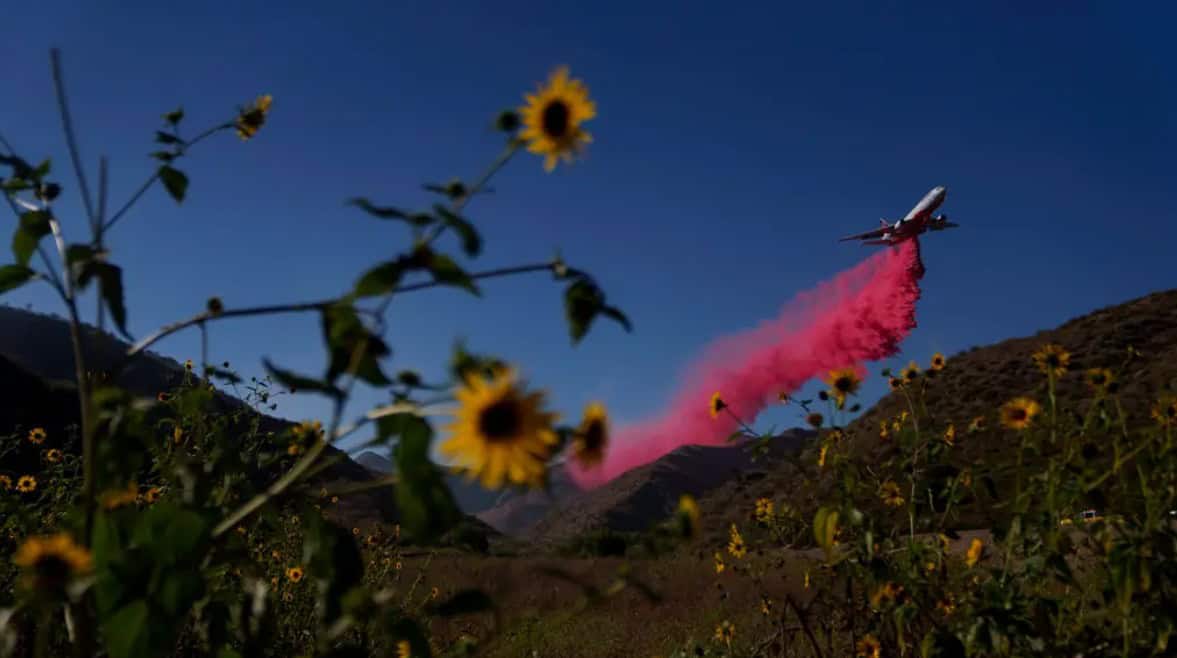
x=860 y=315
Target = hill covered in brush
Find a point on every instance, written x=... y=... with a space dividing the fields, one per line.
x=36 y=380
x=974 y=384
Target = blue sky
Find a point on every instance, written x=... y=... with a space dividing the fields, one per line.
x=731 y=150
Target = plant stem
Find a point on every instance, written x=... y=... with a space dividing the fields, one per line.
x=103 y=228
x=70 y=138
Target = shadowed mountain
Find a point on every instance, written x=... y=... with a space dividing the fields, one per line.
x=649 y=494
x=36 y=380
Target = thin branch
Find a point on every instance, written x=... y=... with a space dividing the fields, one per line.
x=208 y=316
x=70 y=138
x=154 y=177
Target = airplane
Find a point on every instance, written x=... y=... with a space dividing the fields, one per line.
x=919 y=220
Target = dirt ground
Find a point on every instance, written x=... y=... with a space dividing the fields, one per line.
x=542 y=615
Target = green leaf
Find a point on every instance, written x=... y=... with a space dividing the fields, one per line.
x=167 y=138
x=618 y=317
x=42 y=170
x=335 y=560
x=388 y=212
x=344 y=334
x=471 y=240
x=426 y=504
x=175 y=181
x=464 y=602
x=447 y=272
x=582 y=302
x=382 y=279
x=298 y=382
x=14 y=276
x=33 y=226
x=163 y=156
x=110 y=285
x=222 y=374
x=174 y=116
x=127 y=631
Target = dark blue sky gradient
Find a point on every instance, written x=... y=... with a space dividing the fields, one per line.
x=733 y=147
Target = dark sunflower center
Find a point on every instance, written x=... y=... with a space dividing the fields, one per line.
x=500 y=421
x=1098 y=379
x=1052 y=360
x=555 y=119
x=52 y=569
x=594 y=436
x=1017 y=415
x=843 y=384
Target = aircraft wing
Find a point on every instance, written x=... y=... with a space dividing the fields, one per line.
x=869 y=235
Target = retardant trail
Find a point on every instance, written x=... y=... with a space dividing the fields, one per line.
x=860 y=315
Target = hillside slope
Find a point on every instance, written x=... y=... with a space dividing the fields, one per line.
x=37 y=371
x=978 y=381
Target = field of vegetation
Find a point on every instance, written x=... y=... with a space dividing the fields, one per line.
x=940 y=523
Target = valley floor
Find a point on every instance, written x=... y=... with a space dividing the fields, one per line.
x=539 y=615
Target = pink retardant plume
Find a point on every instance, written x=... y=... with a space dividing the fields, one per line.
x=861 y=315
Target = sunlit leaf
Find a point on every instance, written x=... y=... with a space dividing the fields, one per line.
x=471 y=240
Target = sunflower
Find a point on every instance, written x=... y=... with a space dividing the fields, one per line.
x=37 y=435
x=434 y=593
x=188 y=365
x=821 y=456
x=501 y=433
x=1052 y=360
x=976 y=548
x=765 y=605
x=1164 y=412
x=947 y=605
x=783 y=398
x=843 y=382
x=177 y=435
x=53 y=455
x=885 y=593
x=294 y=449
x=404 y=649
x=950 y=434
x=717 y=405
x=52 y=559
x=938 y=361
x=890 y=494
x=868 y=647
x=294 y=574
x=725 y=632
x=5 y=483
x=895 y=383
x=884 y=431
x=1100 y=380
x=688 y=515
x=152 y=495
x=592 y=436
x=552 y=118
x=26 y=484
x=763 y=510
x=977 y=424
x=735 y=544
x=251 y=118
x=815 y=420
x=911 y=372
x=162 y=397
x=719 y=563
x=1017 y=413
